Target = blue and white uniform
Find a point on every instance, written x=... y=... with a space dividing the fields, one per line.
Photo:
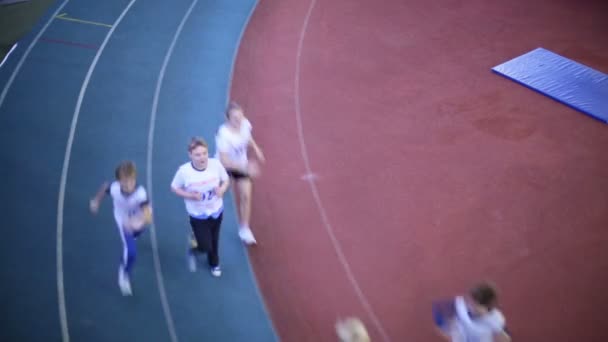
x=126 y=206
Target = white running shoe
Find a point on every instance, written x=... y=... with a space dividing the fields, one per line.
x=191 y=262
x=124 y=283
x=216 y=271
x=247 y=236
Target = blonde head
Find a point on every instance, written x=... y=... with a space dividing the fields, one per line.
x=352 y=330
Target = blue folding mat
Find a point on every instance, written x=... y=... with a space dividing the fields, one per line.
x=561 y=79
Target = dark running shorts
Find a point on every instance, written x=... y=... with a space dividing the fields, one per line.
x=236 y=175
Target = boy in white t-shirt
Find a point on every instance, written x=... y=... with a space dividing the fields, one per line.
x=132 y=212
x=473 y=318
x=233 y=140
x=202 y=182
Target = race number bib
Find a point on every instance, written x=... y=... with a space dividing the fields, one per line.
x=240 y=152
x=208 y=195
x=133 y=212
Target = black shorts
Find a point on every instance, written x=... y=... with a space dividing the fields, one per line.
x=236 y=175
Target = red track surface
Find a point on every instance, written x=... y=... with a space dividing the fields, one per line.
x=432 y=171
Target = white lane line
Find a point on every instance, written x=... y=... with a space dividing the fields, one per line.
x=157 y=265
x=315 y=191
x=27 y=53
x=65 y=333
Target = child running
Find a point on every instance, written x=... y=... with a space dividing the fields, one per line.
x=132 y=212
x=233 y=140
x=472 y=318
x=202 y=182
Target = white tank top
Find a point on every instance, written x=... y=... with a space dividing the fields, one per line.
x=127 y=205
x=234 y=144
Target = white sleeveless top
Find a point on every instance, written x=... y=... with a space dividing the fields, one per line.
x=234 y=144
